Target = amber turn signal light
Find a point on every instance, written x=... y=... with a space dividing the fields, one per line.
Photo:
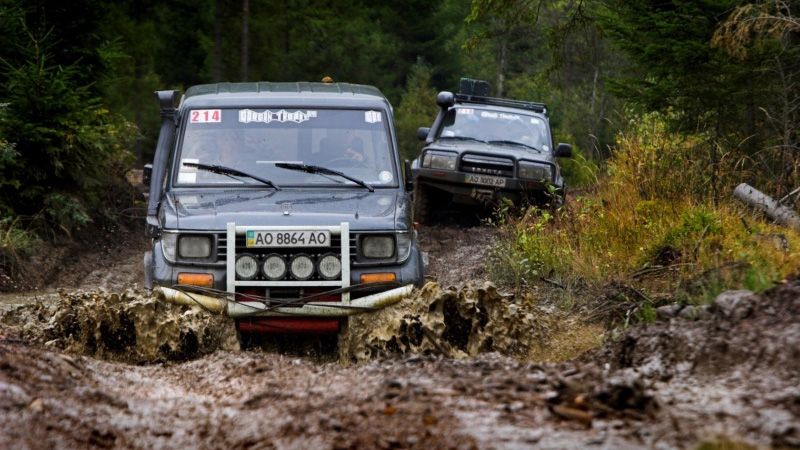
x=379 y=277
x=196 y=279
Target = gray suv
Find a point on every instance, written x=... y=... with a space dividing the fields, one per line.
x=280 y=192
x=481 y=149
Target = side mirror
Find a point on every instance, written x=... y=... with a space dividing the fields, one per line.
x=445 y=99
x=422 y=133
x=147 y=174
x=407 y=176
x=563 y=150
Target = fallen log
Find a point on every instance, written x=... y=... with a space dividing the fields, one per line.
x=762 y=202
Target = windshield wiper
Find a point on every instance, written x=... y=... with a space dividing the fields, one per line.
x=463 y=138
x=230 y=171
x=324 y=171
x=515 y=143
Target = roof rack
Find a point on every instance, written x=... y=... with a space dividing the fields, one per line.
x=531 y=106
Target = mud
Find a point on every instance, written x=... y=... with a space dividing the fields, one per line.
x=130 y=326
x=667 y=385
x=468 y=321
x=456 y=254
x=732 y=368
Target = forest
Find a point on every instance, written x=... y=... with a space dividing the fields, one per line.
x=667 y=101
x=646 y=308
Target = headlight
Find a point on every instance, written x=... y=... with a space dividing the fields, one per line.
x=403 y=246
x=193 y=246
x=533 y=171
x=329 y=267
x=168 y=245
x=246 y=267
x=377 y=246
x=302 y=267
x=445 y=160
x=274 y=267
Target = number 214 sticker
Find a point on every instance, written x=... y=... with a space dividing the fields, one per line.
x=206 y=116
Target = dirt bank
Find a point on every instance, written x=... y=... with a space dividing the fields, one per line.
x=105 y=257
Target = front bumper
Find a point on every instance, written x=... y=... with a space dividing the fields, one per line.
x=455 y=183
x=238 y=309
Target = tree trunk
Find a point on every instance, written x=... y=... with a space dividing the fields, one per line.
x=502 y=65
x=766 y=204
x=137 y=109
x=216 y=53
x=245 y=57
x=138 y=70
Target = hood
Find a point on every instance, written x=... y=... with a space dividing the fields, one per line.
x=515 y=152
x=212 y=209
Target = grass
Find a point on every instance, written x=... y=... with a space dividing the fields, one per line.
x=647 y=233
x=15 y=242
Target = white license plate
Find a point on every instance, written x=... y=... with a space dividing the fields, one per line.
x=486 y=180
x=288 y=238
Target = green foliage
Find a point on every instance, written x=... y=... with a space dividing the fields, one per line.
x=14 y=240
x=8 y=156
x=66 y=211
x=648 y=227
x=554 y=54
x=525 y=254
x=648 y=155
x=646 y=313
x=669 y=43
x=67 y=148
x=417 y=109
x=579 y=171
x=700 y=63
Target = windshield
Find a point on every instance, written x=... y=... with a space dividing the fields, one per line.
x=253 y=140
x=489 y=125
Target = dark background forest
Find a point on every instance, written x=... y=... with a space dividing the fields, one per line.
x=684 y=98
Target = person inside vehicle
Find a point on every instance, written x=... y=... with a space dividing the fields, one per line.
x=351 y=153
x=218 y=147
x=227 y=146
x=355 y=150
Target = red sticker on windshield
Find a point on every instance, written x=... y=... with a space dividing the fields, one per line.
x=206 y=116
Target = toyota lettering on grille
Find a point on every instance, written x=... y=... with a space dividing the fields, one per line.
x=484 y=170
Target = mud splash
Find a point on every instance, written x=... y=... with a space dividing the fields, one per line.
x=130 y=326
x=458 y=323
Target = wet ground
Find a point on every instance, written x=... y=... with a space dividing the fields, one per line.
x=457 y=253
x=451 y=368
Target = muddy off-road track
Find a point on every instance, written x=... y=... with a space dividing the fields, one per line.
x=102 y=365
